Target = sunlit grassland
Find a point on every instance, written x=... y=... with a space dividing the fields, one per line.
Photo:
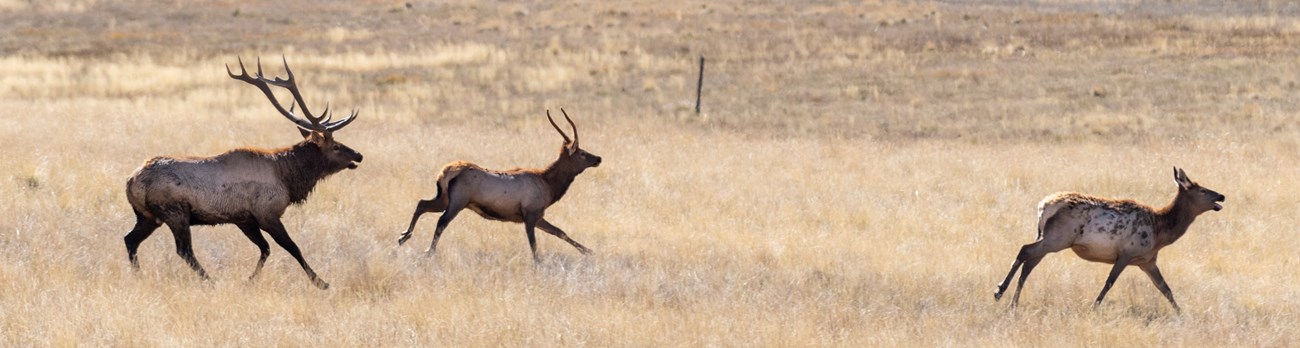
x=862 y=175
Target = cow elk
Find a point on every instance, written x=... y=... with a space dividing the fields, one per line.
x=517 y=195
x=250 y=188
x=1119 y=232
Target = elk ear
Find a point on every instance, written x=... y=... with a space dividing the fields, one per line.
x=305 y=133
x=571 y=149
x=1181 y=179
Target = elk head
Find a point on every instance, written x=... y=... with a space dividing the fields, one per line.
x=572 y=156
x=1200 y=199
x=316 y=130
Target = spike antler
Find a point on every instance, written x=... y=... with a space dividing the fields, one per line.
x=574 y=126
x=557 y=127
x=313 y=123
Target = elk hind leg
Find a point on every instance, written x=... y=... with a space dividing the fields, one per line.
x=1028 y=252
x=453 y=209
x=547 y=227
x=422 y=207
x=1031 y=254
x=143 y=228
x=1029 y=265
x=255 y=235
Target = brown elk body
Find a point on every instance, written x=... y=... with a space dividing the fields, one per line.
x=250 y=188
x=1119 y=232
x=518 y=195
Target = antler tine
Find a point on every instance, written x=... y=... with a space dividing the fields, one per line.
x=557 y=127
x=574 y=126
x=259 y=67
x=242 y=71
x=330 y=127
x=326 y=115
x=292 y=85
x=287 y=71
x=261 y=84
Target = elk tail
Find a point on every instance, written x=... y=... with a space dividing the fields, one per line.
x=440 y=201
x=1047 y=210
x=135 y=195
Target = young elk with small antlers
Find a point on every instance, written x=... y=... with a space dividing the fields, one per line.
x=1119 y=232
x=250 y=188
x=517 y=195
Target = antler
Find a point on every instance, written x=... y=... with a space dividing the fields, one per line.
x=313 y=123
x=575 y=127
x=557 y=127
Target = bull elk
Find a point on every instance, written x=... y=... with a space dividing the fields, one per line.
x=250 y=188
x=1119 y=232
x=517 y=195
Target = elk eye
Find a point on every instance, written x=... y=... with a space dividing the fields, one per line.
x=336 y=147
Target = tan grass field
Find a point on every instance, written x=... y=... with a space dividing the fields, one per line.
x=862 y=174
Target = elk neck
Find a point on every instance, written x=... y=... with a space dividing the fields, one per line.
x=558 y=176
x=300 y=167
x=1172 y=220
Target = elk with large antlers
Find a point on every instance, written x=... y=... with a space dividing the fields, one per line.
x=1119 y=232
x=518 y=195
x=250 y=188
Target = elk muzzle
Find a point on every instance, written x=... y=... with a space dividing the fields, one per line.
x=353 y=164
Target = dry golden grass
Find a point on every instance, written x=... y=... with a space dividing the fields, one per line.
x=862 y=174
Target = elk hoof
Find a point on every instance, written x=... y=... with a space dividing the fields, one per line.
x=322 y=284
x=405 y=235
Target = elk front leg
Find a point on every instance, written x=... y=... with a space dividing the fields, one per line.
x=547 y=227
x=1153 y=272
x=255 y=235
x=281 y=237
x=1120 y=263
x=181 y=232
x=530 y=222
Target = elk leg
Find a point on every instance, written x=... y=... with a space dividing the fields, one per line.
x=1120 y=263
x=443 y=221
x=1002 y=287
x=547 y=227
x=1153 y=272
x=420 y=209
x=1024 y=274
x=1031 y=254
x=181 y=232
x=1028 y=252
x=143 y=228
x=250 y=230
x=281 y=237
x=529 y=223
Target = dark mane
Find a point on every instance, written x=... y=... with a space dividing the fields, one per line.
x=300 y=167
